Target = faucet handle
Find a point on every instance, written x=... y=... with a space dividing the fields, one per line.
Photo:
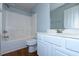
x=5 y=31
x=5 y=36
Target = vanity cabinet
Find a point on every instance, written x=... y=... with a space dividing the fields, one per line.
x=45 y=48
x=46 y=45
x=59 y=53
x=72 y=45
x=53 y=45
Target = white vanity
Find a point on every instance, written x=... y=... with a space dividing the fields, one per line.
x=61 y=44
x=57 y=44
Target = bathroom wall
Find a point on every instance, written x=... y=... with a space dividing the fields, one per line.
x=43 y=16
x=17 y=23
x=57 y=16
x=0 y=28
x=0 y=17
x=34 y=25
x=0 y=25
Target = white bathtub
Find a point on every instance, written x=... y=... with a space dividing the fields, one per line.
x=12 y=45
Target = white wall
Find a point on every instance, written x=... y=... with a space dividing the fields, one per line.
x=43 y=16
x=0 y=6
x=0 y=22
x=18 y=25
x=0 y=25
x=34 y=25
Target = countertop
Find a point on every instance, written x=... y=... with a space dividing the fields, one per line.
x=74 y=36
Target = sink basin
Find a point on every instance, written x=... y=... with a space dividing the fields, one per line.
x=51 y=31
x=72 y=33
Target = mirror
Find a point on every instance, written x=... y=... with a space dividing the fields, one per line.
x=65 y=16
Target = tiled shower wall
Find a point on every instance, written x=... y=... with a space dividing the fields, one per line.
x=18 y=25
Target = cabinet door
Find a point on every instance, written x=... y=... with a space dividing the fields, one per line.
x=58 y=53
x=72 y=45
x=44 y=48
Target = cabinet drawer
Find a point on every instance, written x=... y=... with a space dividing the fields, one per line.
x=73 y=45
x=66 y=51
x=58 y=41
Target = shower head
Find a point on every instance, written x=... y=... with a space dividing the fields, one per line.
x=7 y=5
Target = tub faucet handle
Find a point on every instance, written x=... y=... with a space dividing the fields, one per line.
x=6 y=36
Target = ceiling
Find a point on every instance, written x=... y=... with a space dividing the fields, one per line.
x=28 y=6
x=24 y=6
x=53 y=6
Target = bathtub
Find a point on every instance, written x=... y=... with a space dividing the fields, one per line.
x=12 y=45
